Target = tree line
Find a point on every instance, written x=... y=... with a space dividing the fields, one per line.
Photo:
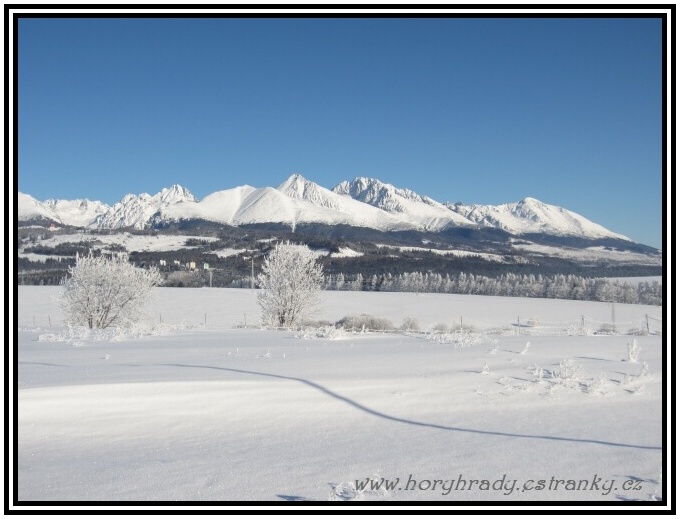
x=558 y=286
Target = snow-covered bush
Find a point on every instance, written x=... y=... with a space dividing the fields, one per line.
x=461 y=339
x=635 y=383
x=439 y=328
x=291 y=282
x=537 y=371
x=321 y=332
x=599 y=385
x=410 y=324
x=606 y=329
x=79 y=335
x=634 y=351
x=569 y=375
x=102 y=291
x=365 y=322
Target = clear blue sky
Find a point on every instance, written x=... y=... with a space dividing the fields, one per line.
x=482 y=111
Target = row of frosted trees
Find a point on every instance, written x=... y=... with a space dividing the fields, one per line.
x=554 y=287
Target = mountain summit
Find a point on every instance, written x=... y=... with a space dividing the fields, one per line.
x=530 y=215
x=298 y=187
x=362 y=202
x=417 y=209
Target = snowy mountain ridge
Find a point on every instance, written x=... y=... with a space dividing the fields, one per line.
x=418 y=209
x=137 y=210
x=533 y=216
x=362 y=202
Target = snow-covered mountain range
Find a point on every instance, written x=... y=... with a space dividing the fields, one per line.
x=362 y=202
x=533 y=216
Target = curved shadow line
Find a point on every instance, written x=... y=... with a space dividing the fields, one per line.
x=379 y=414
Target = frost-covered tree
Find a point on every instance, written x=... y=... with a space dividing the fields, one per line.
x=291 y=281
x=340 y=282
x=102 y=291
x=358 y=283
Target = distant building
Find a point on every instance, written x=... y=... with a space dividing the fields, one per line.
x=206 y=266
x=162 y=263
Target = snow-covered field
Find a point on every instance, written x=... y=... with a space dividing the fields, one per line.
x=131 y=242
x=202 y=405
x=448 y=252
x=591 y=254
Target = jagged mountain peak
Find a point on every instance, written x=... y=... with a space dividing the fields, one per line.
x=531 y=215
x=367 y=188
x=361 y=202
x=531 y=202
x=173 y=194
x=298 y=187
x=421 y=210
x=28 y=209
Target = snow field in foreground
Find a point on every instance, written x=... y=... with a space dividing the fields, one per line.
x=216 y=413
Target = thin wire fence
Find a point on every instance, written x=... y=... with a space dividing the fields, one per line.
x=645 y=325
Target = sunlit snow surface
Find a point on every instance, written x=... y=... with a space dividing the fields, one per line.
x=131 y=242
x=363 y=202
x=195 y=406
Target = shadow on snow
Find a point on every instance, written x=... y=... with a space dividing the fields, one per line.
x=397 y=419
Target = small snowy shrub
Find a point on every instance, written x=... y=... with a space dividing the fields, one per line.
x=463 y=339
x=439 y=328
x=75 y=335
x=634 y=351
x=607 y=329
x=644 y=372
x=365 y=322
x=410 y=324
x=537 y=372
x=598 y=385
x=569 y=374
x=569 y=370
x=322 y=332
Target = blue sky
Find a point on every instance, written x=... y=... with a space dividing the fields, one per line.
x=482 y=111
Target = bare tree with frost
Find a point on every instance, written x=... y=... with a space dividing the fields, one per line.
x=101 y=291
x=291 y=282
